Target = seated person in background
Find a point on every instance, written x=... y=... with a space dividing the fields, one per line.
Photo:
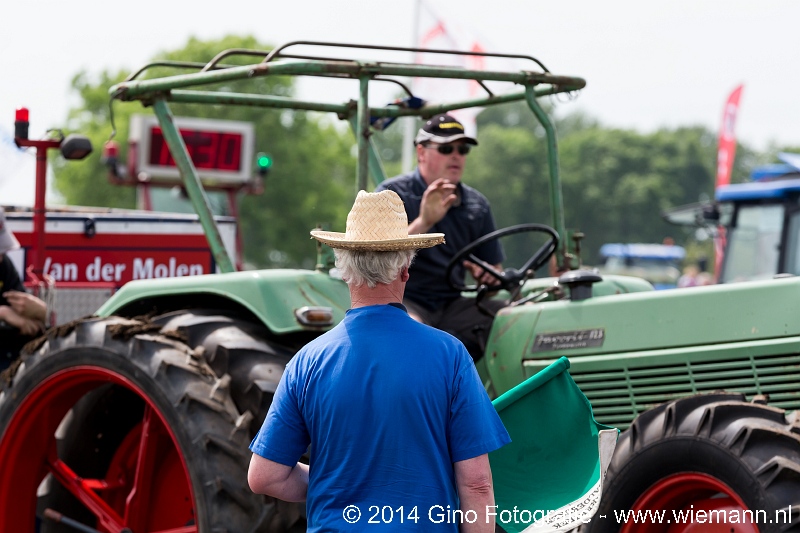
x=437 y=201
x=23 y=315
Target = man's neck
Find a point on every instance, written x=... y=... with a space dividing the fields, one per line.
x=422 y=176
x=363 y=296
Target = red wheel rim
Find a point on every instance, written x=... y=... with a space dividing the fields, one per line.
x=688 y=501
x=147 y=488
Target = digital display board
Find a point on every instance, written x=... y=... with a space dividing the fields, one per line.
x=221 y=150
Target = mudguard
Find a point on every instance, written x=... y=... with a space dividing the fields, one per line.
x=550 y=478
x=272 y=295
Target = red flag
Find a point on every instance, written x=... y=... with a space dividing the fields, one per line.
x=449 y=35
x=727 y=139
x=434 y=31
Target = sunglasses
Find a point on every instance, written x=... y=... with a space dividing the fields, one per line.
x=447 y=149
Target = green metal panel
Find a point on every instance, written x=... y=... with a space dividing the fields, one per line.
x=611 y=284
x=621 y=386
x=513 y=327
x=272 y=295
x=661 y=345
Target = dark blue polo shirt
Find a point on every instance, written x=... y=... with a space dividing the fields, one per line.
x=465 y=222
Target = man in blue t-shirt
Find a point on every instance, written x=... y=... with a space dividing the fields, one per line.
x=436 y=200
x=397 y=420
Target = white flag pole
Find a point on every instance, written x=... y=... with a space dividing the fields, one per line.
x=409 y=129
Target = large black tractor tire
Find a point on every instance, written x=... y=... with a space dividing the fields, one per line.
x=125 y=405
x=250 y=355
x=700 y=452
x=239 y=348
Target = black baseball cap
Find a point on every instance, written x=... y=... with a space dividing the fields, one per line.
x=441 y=129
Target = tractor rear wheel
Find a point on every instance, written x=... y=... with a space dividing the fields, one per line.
x=704 y=463
x=133 y=424
x=252 y=357
x=239 y=348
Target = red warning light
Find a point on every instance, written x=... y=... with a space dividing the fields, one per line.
x=111 y=149
x=21 y=123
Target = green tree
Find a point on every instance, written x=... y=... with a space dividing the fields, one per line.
x=310 y=183
x=85 y=183
x=616 y=183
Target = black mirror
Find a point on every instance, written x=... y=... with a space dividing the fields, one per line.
x=695 y=215
x=711 y=213
x=76 y=147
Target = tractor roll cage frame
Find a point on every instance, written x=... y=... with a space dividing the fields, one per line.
x=157 y=92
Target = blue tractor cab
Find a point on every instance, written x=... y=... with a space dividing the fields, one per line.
x=756 y=224
x=762 y=222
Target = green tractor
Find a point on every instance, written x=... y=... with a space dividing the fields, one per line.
x=138 y=419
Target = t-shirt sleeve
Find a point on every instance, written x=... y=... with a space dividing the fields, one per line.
x=475 y=426
x=283 y=436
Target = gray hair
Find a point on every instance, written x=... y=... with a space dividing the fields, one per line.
x=370 y=268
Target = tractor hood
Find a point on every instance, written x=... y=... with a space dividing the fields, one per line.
x=596 y=333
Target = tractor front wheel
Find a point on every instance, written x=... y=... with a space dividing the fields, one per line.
x=710 y=463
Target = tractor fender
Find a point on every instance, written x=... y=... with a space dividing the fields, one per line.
x=270 y=296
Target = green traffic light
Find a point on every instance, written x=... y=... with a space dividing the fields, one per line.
x=263 y=160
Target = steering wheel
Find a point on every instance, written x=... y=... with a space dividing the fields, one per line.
x=510 y=278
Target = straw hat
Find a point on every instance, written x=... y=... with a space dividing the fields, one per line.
x=377 y=223
x=7 y=239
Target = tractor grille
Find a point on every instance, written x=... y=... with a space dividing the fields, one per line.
x=618 y=396
x=73 y=303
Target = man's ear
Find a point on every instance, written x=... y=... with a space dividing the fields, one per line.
x=420 y=153
x=404 y=274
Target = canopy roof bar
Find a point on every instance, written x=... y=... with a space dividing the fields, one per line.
x=131 y=90
x=277 y=51
x=173 y=64
x=191 y=88
x=342 y=110
x=256 y=100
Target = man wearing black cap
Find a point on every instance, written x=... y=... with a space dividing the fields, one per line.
x=22 y=315
x=437 y=201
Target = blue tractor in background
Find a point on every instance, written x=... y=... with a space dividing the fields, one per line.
x=756 y=225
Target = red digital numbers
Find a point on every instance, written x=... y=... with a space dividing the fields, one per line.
x=209 y=150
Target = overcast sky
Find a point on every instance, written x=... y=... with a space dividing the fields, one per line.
x=648 y=64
